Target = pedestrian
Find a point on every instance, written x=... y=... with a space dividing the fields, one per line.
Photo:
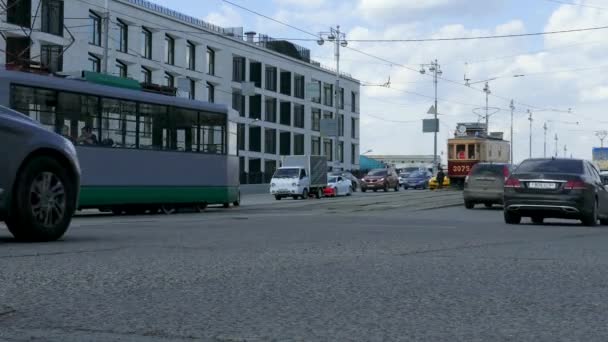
x=440 y=178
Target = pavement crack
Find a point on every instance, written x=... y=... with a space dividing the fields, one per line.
x=491 y=244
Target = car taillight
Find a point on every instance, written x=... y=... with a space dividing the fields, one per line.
x=512 y=183
x=505 y=172
x=575 y=185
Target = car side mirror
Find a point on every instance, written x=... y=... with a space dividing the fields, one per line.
x=605 y=180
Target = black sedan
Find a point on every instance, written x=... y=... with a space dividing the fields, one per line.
x=556 y=188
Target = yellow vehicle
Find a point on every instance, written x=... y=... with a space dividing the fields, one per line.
x=433 y=183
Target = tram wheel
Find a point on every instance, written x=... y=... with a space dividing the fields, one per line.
x=168 y=209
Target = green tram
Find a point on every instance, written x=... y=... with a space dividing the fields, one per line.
x=139 y=151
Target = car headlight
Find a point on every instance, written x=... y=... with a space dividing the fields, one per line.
x=381 y=180
x=273 y=185
x=294 y=184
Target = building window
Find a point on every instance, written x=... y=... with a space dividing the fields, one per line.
x=169 y=50
x=210 y=61
x=328 y=115
x=328 y=94
x=286 y=83
x=238 y=102
x=299 y=86
x=210 y=93
x=255 y=73
x=190 y=55
x=240 y=136
x=341 y=151
x=285 y=113
x=341 y=125
x=353 y=154
x=353 y=102
x=353 y=128
x=271 y=109
x=121 y=69
x=255 y=107
x=238 y=69
x=169 y=80
x=192 y=90
x=17 y=50
x=285 y=143
x=19 y=12
x=316 y=97
x=341 y=98
x=315 y=146
x=270 y=166
x=94 y=63
x=316 y=119
x=298 y=144
x=255 y=139
x=328 y=147
x=271 y=78
x=146 y=43
x=270 y=141
x=146 y=75
x=51 y=57
x=52 y=17
x=95 y=33
x=298 y=115
x=123 y=36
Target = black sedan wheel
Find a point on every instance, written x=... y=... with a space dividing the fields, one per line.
x=538 y=220
x=512 y=218
x=591 y=218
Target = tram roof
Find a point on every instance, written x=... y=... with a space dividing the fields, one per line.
x=93 y=89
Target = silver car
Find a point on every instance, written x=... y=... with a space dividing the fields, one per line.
x=485 y=184
x=39 y=179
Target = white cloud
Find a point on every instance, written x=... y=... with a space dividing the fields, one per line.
x=227 y=16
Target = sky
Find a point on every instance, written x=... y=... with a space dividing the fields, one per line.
x=563 y=84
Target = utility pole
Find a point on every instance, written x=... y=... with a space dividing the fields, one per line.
x=602 y=136
x=512 y=106
x=556 y=142
x=530 y=119
x=435 y=68
x=339 y=39
x=486 y=89
x=545 y=128
x=106 y=38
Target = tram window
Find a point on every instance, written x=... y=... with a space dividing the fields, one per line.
x=75 y=112
x=38 y=104
x=460 y=151
x=213 y=132
x=184 y=127
x=152 y=123
x=472 y=153
x=118 y=124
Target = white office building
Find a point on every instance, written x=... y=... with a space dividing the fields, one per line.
x=279 y=115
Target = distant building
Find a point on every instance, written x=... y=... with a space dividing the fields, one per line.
x=401 y=161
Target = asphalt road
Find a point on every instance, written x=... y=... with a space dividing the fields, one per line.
x=374 y=267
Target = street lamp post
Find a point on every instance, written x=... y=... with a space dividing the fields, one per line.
x=545 y=128
x=556 y=142
x=339 y=39
x=486 y=89
x=512 y=106
x=602 y=136
x=435 y=68
x=530 y=119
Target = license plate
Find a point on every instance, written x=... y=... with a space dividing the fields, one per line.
x=543 y=186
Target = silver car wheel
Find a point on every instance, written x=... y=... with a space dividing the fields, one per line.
x=47 y=199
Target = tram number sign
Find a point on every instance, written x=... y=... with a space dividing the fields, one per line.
x=460 y=169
